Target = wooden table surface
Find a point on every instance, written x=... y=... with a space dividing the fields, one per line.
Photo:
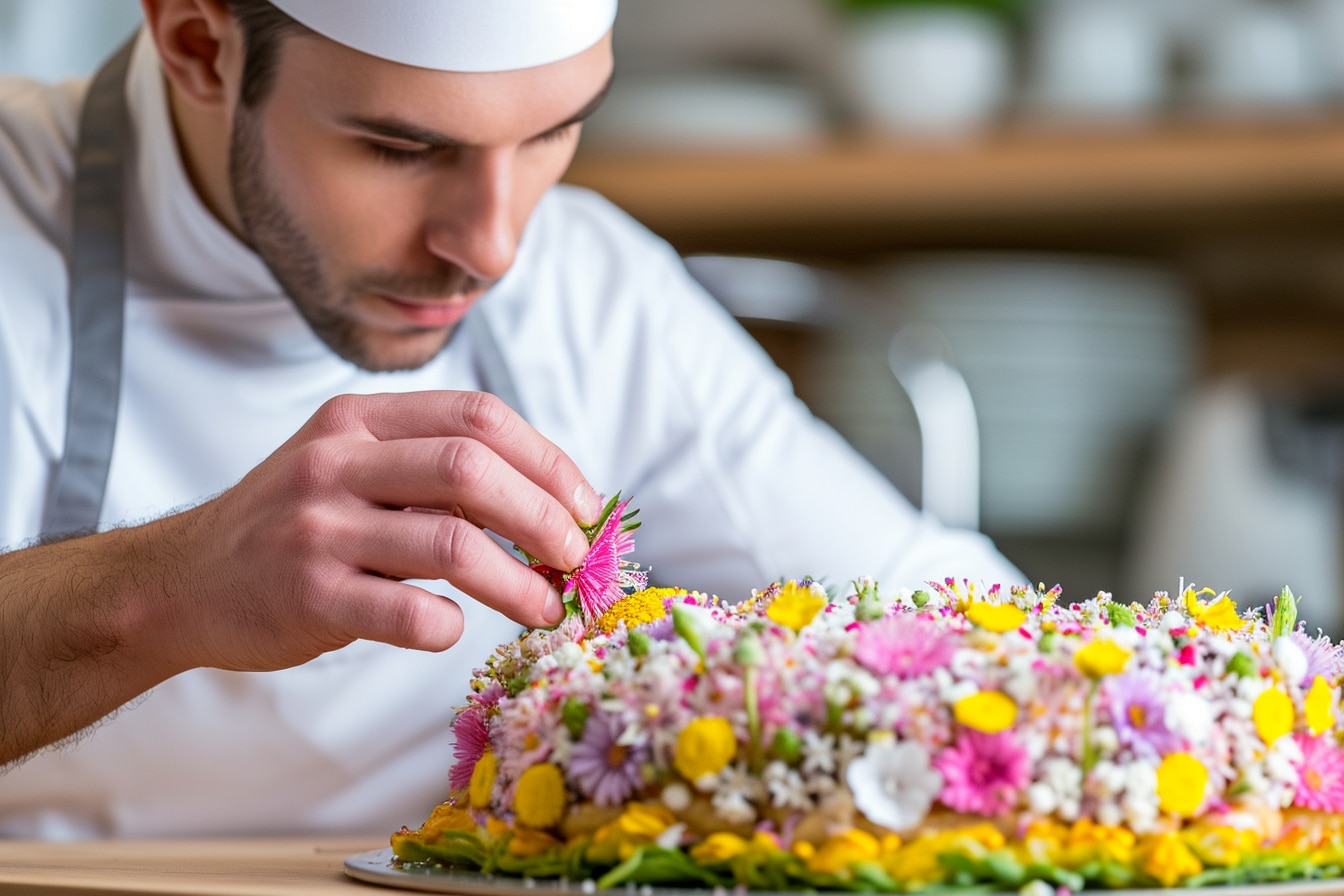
x=281 y=866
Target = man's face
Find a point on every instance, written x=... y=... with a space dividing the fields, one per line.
x=386 y=199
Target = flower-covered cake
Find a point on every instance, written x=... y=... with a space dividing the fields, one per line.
x=895 y=740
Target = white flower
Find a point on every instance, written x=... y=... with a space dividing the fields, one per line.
x=818 y=753
x=569 y=655
x=1189 y=716
x=786 y=786
x=893 y=784
x=677 y=797
x=1292 y=661
x=1037 y=887
x=733 y=807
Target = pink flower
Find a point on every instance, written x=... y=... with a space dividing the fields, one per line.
x=597 y=580
x=905 y=647
x=473 y=739
x=1320 y=784
x=983 y=773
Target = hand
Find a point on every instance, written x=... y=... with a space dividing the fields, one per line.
x=305 y=554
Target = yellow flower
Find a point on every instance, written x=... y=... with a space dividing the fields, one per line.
x=637 y=609
x=483 y=780
x=1089 y=842
x=540 y=798
x=1101 y=658
x=1219 y=615
x=1168 y=860
x=1320 y=706
x=840 y=851
x=796 y=606
x=704 y=747
x=645 y=821
x=1273 y=714
x=995 y=617
x=527 y=842
x=1220 y=845
x=1181 y=781
x=719 y=846
x=988 y=712
x=639 y=825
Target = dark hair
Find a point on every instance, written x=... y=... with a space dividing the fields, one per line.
x=263 y=28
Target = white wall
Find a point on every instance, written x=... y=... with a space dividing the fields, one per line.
x=55 y=39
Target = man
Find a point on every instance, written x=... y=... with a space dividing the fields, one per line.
x=340 y=232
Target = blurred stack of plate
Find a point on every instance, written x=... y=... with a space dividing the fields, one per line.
x=711 y=109
x=1072 y=365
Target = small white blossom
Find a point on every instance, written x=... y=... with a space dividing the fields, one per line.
x=1291 y=659
x=1189 y=715
x=818 y=753
x=787 y=790
x=677 y=797
x=734 y=808
x=894 y=784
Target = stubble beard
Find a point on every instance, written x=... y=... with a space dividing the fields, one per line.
x=296 y=263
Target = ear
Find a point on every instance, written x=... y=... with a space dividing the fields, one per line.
x=201 y=48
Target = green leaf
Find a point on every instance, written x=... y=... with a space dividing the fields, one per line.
x=1285 y=613
x=656 y=865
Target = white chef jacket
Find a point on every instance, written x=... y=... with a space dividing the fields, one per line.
x=617 y=356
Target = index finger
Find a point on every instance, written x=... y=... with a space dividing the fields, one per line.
x=486 y=418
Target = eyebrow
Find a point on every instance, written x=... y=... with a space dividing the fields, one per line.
x=397 y=129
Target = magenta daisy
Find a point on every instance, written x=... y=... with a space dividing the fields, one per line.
x=1321 y=782
x=903 y=646
x=473 y=739
x=983 y=773
x=605 y=770
x=597 y=580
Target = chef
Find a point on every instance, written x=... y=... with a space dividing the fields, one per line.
x=298 y=336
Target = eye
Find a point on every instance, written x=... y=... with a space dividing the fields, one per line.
x=559 y=134
x=397 y=154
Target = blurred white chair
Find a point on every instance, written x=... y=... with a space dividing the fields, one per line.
x=763 y=291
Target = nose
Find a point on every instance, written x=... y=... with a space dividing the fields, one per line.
x=471 y=224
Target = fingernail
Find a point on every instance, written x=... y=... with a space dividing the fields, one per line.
x=576 y=548
x=587 y=504
x=554 y=611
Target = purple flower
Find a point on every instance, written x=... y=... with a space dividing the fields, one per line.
x=906 y=647
x=983 y=773
x=1137 y=711
x=473 y=739
x=1323 y=658
x=605 y=770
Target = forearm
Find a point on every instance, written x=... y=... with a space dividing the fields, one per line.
x=82 y=624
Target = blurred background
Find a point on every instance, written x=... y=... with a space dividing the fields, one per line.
x=1066 y=270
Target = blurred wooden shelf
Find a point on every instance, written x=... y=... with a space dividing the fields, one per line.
x=1121 y=190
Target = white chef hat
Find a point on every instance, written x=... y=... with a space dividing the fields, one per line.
x=459 y=35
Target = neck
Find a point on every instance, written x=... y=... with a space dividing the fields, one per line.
x=203 y=141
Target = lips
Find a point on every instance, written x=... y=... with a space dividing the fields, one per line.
x=430 y=312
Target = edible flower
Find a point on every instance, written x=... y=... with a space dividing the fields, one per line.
x=1273 y=714
x=1100 y=658
x=998 y=618
x=1320 y=706
x=540 y=798
x=796 y=606
x=1181 y=781
x=1168 y=860
x=988 y=712
x=704 y=747
x=1219 y=615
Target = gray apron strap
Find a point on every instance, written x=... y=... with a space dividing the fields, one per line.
x=97 y=297
x=97 y=275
